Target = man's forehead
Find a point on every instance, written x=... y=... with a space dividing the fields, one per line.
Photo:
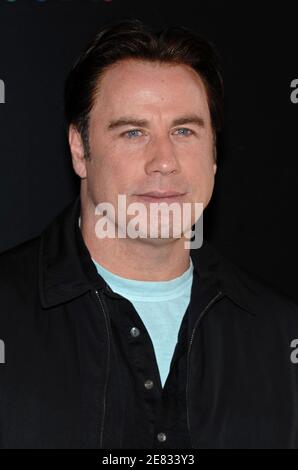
x=151 y=72
x=134 y=99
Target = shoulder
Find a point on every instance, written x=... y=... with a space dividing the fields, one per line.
x=19 y=263
x=262 y=298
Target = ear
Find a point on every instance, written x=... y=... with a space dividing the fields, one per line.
x=214 y=158
x=77 y=151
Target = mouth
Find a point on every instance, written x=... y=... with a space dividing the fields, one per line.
x=161 y=197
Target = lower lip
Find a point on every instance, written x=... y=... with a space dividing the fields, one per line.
x=161 y=199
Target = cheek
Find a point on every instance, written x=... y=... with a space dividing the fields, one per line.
x=114 y=176
x=201 y=166
x=105 y=165
x=202 y=178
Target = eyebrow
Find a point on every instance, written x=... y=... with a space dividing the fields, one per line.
x=132 y=121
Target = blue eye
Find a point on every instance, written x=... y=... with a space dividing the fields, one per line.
x=184 y=129
x=132 y=133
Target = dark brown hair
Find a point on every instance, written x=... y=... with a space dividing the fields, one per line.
x=131 y=38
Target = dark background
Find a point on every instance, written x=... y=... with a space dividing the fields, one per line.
x=252 y=215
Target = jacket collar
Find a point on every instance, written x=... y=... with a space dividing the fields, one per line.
x=67 y=271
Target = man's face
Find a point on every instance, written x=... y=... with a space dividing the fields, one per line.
x=157 y=154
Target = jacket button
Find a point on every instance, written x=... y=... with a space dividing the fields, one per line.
x=162 y=437
x=135 y=332
x=148 y=384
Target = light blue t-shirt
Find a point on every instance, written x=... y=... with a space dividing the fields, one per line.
x=161 y=306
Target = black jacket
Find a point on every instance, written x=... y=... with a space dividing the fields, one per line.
x=80 y=369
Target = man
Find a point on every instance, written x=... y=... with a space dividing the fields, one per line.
x=138 y=341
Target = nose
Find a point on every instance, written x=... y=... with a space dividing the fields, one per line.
x=162 y=158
